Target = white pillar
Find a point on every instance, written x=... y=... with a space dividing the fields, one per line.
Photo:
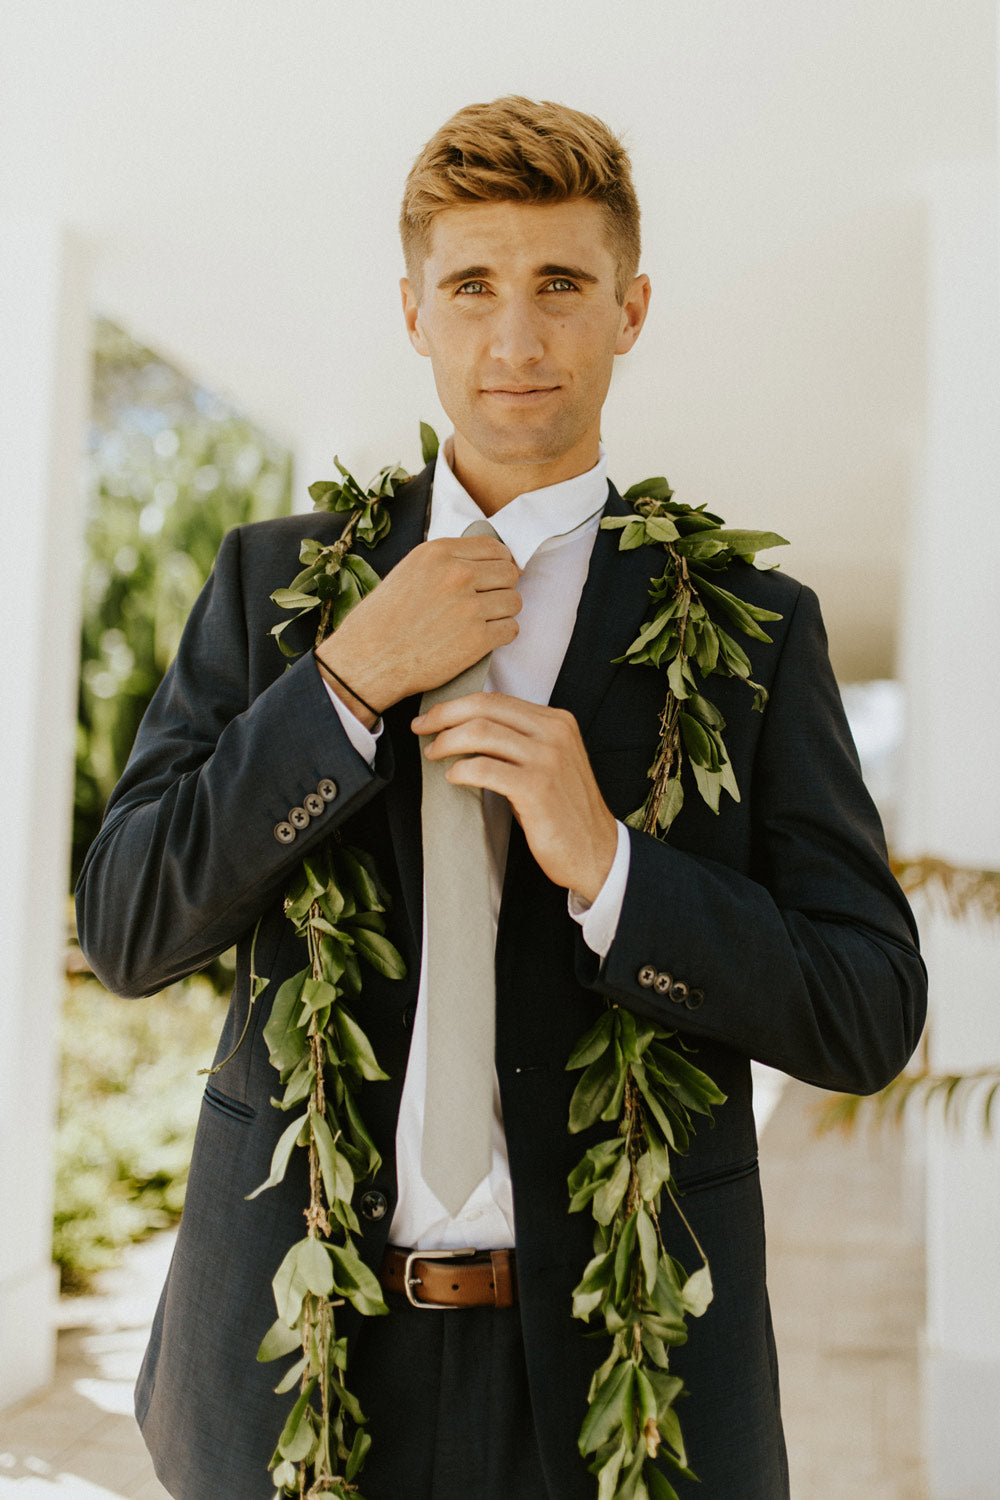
x=951 y=809
x=44 y=348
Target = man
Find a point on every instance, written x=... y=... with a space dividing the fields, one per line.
x=777 y=921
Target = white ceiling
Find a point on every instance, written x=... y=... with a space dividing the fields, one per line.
x=236 y=168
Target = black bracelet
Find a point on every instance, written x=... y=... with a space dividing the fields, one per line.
x=346 y=685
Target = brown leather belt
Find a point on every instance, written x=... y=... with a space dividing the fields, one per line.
x=451 y=1278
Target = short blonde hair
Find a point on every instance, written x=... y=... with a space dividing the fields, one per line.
x=523 y=151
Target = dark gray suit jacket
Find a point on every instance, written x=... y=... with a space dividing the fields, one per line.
x=781 y=910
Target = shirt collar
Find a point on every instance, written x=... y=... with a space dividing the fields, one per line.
x=529 y=521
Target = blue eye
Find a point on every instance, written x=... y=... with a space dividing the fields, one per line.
x=472 y=287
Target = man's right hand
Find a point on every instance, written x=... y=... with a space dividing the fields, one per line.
x=443 y=607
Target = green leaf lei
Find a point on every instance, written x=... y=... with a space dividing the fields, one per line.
x=632 y=1078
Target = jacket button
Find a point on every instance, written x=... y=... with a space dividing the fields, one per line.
x=408 y=1015
x=327 y=789
x=679 y=991
x=662 y=983
x=646 y=976
x=284 y=833
x=298 y=817
x=314 y=804
x=373 y=1205
x=694 y=999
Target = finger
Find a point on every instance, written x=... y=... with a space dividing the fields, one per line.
x=476 y=548
x=494 y=573
x=479 y=736
x=518 y=713
x=500 y=604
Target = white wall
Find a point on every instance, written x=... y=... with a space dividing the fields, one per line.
x=239 y=169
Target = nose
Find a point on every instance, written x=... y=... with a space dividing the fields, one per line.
x=517 y=334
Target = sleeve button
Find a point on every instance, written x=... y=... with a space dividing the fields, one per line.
x=679 y=992
x=646 y=976
x=327 y=789
x=662 y=983
x=284 y=833
x=314 y=804
x=694 y=999
x=298 y=817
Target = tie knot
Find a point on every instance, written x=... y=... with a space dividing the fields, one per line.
x=480 y=528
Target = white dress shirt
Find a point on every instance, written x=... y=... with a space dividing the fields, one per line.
x=550 y=533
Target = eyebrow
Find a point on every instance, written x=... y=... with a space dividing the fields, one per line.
x=484 y=273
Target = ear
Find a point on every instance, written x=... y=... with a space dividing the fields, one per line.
x=634 y=310
x=411 y=317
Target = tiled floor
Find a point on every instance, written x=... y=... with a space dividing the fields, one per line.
x=846 y=1277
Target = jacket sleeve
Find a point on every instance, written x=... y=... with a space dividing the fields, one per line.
x=809 y=964
x=196 y=838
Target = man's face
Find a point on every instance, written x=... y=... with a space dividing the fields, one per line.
x=519 y=318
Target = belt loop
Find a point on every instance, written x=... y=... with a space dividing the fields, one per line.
x=503 y=1277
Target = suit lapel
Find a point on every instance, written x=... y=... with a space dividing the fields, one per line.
x=612 y=605
x=402 y=795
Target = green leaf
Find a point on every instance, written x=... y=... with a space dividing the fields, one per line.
x=675 y=678
x=593 y=1042
x=596 y=1086
x=697 y=1292
x=357 y=1048
x=355 y=1281
x=428 y=442
x=670 y=803
x=649 y=1248
x=289 y=599
x=659 y=1486
x=607 y=1475
x=380 y=953
x=661 y=529
x=338 y=1179
x=656 y=488
x=610 y=1195
x=607 y=1410
x=289 y=1286
x=316 y=995
x=359 y=1451
x=633 y=536
x=291 y=1377
x=363 y=572
x=297 y=1435
x=278 y=1341
x=697 y=743
x=596 y=1279
x=709 y=784
x=282 y=1155
x=285 y=1039
x=746 y=543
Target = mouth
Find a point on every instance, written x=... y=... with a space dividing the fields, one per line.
x=519 y=395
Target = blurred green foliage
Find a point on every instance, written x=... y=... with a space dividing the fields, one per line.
x=129 y=1101
x=171 y=468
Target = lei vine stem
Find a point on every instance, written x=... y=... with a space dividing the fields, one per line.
x=631 y=1076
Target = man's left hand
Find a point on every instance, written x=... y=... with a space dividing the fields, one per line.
x=534 y=756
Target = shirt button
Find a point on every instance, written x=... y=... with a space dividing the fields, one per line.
x=327 y=789
x=314 y=804
x=646 y=976
x=374 y=1205
x=298 y=817
x=284 y=833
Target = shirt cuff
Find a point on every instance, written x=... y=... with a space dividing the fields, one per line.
x=361 y=737
x=599 y=920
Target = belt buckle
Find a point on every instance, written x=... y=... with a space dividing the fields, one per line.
x=410 y=1281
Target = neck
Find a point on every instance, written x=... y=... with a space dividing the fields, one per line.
x=493 y=485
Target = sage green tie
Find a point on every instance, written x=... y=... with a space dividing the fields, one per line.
x=457 y=1148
